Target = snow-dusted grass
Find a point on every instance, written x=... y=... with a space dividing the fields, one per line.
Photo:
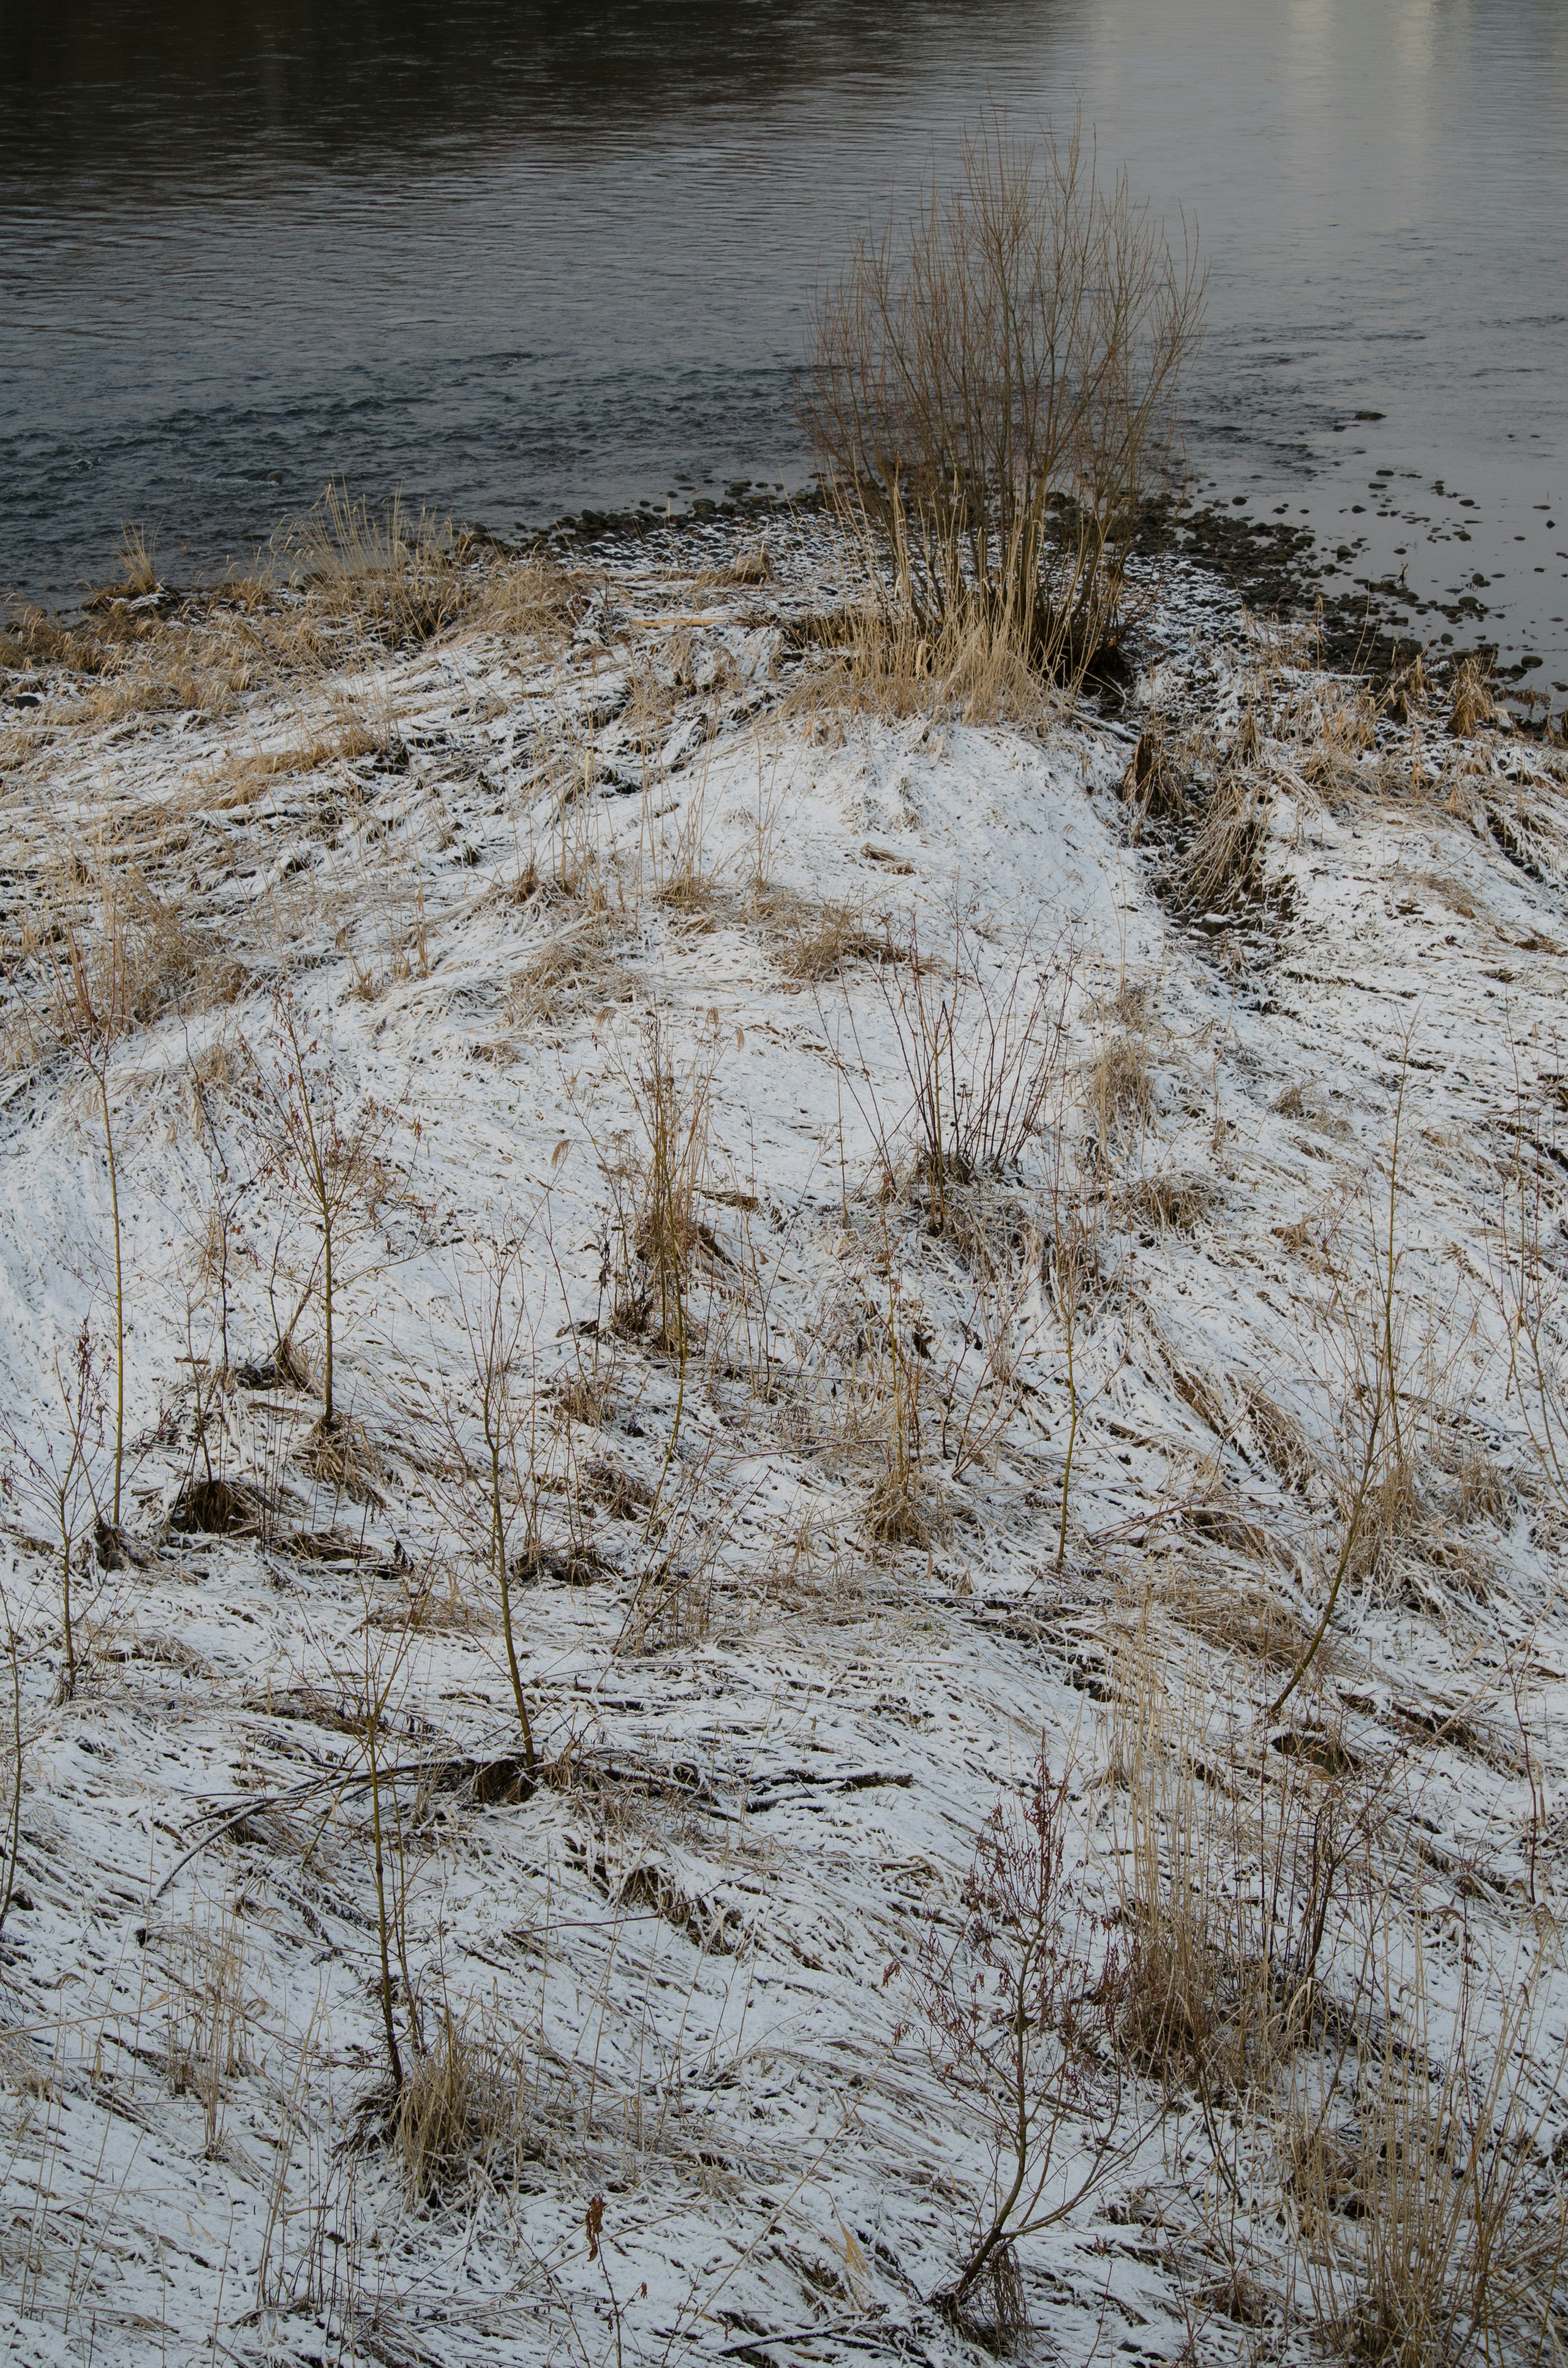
x=703 y=1394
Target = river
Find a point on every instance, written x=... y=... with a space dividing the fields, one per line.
x=523 y=259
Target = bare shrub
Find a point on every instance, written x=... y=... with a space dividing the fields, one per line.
x=327 y=1151
x=1018 y=2014
x=992 y=392
x=58 y=1467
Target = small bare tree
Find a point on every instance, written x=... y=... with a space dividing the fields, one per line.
x=324 y=1149
x=992 y=390
x=91 y=1010
x=496 y=1332
x=60 y=1470
x=1019 y=2019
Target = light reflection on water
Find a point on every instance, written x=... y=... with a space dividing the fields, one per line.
x=524 y=258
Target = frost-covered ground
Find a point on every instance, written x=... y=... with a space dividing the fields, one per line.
x=783 y=1435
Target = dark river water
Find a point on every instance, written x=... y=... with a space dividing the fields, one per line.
x=522 y=258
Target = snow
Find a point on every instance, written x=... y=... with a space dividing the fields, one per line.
x=695 y=1953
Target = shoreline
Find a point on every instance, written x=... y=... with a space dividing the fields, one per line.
x=1270 y=564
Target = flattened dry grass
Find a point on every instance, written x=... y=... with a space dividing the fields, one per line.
x=573 y=968
x=818 y=941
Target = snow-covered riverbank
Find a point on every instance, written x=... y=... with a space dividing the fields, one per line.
x=627 y=972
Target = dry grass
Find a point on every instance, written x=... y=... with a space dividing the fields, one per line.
x=1223 y=863
x=1233 y=1886
x=1472 y=704
x=902 y=1511
x=1170 y=1203
x=1119 y=1090
x=396 y=578
x=873 y=658
x=209 y=2011
x=1153 y=786
x=1433 y=2234
x=573 y=970
x=460 y=2119
x=751 y=567
x=1236 y=1615
x=112 y=956
x=344 y=734
x=337 y=1453
x=659 y=1178
x=817 y=942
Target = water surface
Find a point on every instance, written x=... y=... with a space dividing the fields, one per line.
x=520 y=260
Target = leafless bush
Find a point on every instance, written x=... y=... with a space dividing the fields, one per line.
x=992 y=392
x=59 y=1466
x=1018 y=2014
x=326 y=1151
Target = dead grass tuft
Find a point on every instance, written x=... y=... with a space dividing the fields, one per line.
x=1481 y=1494
x=460 y=2118
x=1175 y=1203
x=570 y=971
x=1430 y=2239
x=395 y=577
x=1152 y=786
x=872 y=657
x=1120 y=1088
x=817 y=942
x=1238 y=1616
x=1472 y=704
x=337 y=1453
x=1223 y=861
x=902 y=1511
x=1233 y=1890
x=213 y=1506
x=751 y=566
